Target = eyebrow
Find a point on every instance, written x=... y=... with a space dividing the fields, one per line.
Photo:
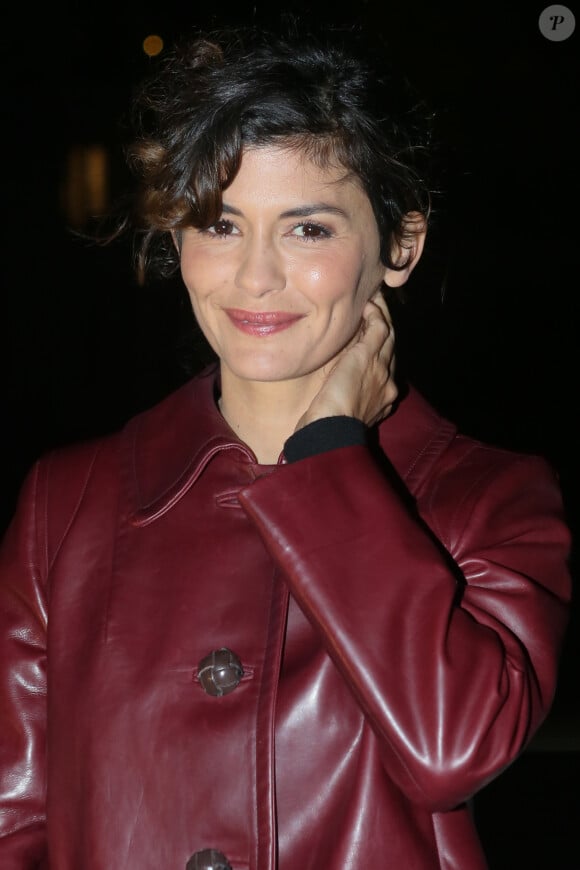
x=300 y=211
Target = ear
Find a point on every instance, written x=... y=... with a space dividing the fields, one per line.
x=407 y=255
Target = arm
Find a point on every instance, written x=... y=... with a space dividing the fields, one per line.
x=446 y=622
x=451 y=651
x=23 y=621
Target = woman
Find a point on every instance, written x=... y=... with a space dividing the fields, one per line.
x=289 y=617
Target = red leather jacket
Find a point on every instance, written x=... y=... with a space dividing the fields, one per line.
x=392 y=632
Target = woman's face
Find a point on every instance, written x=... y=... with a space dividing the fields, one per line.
x=279 y=283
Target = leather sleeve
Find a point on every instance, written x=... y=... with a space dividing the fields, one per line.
x=445 y=618
x=28 y=551
x=23 y=619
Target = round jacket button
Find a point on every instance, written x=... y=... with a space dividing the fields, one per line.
x=208 y=859
x=220 y=672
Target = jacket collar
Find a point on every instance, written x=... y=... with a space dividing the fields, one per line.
x=167 y=447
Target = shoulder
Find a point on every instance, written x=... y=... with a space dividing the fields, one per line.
x=460 y=482
x=159 y=423
x=428 y=449
x=141 y=459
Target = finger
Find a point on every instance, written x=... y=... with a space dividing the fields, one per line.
x=379 y=333
x=378 y=300
x=377 y=314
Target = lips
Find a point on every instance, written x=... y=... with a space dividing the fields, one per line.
x=261 y=322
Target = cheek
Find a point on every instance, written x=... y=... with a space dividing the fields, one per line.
x=186 y=266
x=199 y=274
x=331 y=280
x=345 y=285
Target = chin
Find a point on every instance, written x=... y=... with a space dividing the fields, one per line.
x=265 y=370
x=264 y=374
x=269 y=365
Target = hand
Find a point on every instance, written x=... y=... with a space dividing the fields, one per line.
x=361 y=381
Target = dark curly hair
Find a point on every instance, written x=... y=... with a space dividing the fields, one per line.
x=215 y=94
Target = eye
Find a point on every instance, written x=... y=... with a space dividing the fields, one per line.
x=222 y=228
x=311 y=231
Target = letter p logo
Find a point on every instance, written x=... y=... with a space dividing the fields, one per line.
x=557 y=23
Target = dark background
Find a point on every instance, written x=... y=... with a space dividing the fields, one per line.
x=489 y=331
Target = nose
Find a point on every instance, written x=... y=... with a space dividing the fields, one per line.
x=261 y=268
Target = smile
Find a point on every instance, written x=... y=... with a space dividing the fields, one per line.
x=261 y=322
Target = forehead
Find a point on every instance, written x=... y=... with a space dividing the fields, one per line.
x=284 y=173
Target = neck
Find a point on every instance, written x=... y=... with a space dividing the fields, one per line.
x=264 y=414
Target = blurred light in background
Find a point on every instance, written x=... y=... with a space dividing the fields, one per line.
x=152 y=45
x=86 y=185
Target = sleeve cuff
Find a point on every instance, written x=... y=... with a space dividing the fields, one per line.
x=329 y=433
